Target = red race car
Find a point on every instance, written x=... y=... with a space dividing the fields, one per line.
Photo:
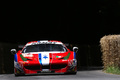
x=44 y=57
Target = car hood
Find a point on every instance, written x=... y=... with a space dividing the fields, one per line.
x=45 y=57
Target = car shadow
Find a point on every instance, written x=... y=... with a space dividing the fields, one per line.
x=90 y=68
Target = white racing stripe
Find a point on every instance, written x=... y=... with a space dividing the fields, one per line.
x=45 y=58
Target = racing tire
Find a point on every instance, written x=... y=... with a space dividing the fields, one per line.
x=16 y=74
x=74 y=73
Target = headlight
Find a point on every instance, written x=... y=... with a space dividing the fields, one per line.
x=72 y=62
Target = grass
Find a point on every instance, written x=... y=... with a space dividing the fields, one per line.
x=113 y=70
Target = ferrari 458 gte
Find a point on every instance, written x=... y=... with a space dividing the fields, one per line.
x=44 y=57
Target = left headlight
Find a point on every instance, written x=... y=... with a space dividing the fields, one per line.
x=72 y=62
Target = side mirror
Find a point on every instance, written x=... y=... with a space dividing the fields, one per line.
x=75 y=49
x=13 y=51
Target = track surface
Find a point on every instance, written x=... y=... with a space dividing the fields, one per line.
x=81 y=75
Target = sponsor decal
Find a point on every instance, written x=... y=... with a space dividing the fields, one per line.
x=27 y=55
x=43 y=42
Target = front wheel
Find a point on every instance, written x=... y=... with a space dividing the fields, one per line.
x=74 y=73
x=17 y=72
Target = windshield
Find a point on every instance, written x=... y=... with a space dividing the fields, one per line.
x=44 y=47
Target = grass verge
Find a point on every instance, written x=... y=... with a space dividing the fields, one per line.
x=113 y=70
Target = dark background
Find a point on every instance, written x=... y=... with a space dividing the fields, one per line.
x=78 y=22
x=70 y=21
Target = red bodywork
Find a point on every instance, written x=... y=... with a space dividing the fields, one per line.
x=30 y=63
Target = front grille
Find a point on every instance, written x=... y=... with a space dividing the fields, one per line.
x=58 y=66
x=53 y=66
x=33 y=67
x=45 y=66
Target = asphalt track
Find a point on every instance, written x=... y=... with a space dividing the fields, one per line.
x=81 y=75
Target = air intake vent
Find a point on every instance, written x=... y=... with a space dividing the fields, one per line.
x=58 y=66
x=33 y=67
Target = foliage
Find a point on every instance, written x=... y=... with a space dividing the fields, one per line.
x=113 y=70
